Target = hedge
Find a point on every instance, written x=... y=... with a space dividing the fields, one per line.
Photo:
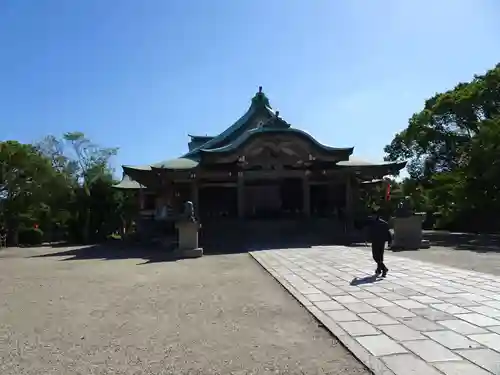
x=30 y=236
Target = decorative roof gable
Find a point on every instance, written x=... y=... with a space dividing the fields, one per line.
x=259 y=107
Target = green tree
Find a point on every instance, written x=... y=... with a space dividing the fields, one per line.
x=25 y=180
x=452 y=147
x=92 y=202
x=127 y=208
x=59 y=214
x=64 y=185
x=90 y=163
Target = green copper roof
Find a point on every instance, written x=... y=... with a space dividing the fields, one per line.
x=268 y=129
x=137 y=167
x=128 y=183
x=200 y=137
x=373 y=181
x=239 y=133
x=198 y=140
x=261 y=99
x=372 y=170
x=260 y=104
x=173 y=164
x=177 y=164
x=355 y=162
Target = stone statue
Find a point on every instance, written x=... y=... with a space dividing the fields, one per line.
x=407 y=228
x=161 y=212
x=188 y=229
x=188 y=212
x=404 y=208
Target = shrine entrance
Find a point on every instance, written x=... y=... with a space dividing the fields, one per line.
x=217 y=202
x=280 y=198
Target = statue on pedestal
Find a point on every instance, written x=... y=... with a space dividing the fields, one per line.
x=407 y=227
x=188 y=227
x=188 y=212
x=404 y=208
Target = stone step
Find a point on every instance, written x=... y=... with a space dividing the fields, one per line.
x=271 y=232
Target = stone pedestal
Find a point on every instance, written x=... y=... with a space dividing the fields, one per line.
x=407 y=233
x=241 y=196
x=188 y=239
x=306 y=197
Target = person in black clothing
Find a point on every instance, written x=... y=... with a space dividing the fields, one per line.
x=3 y=236
x=379 y=235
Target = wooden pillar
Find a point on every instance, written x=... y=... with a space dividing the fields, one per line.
x=349 y=212
x=306 y=197
x=332 y=199
x=169 y=194
x=355 y=197
x=141 y=199
x=241 y=195
x=140 y=229
x=194 y=197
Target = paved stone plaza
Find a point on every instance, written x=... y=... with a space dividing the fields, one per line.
x=424 y=318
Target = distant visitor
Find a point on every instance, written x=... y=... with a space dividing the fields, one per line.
x=379 y=235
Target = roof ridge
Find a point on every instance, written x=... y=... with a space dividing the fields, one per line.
x=201 y=136
x=259 y=101
x=244 y=137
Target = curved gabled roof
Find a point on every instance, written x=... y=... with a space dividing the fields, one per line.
x=177 y=164
x=200 y=137
x=255 y=132
x=238 y=134
x=137 y=167
x=128 y=183
x=355 y=162
x=372 y=170
x=373 y=181
x=260 y=103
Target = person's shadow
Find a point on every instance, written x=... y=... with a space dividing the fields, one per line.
x=365 y=280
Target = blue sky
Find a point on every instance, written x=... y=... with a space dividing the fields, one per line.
x=141 y=75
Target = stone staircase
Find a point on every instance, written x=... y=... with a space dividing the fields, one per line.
x=242 y=235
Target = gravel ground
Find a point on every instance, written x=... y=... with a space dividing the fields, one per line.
x=112 y=314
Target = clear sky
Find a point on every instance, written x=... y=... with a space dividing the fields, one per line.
x=141 y=75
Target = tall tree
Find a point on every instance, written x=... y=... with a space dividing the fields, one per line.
x=25 y=175
x=452 y=147
x=91 y=163
x=60 y=183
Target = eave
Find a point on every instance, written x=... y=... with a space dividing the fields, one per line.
x=177 y=164
x=128 y=184
x=143 y=174
x=356 y=163
x=251 y=134
x=371 y=170
x=200 y=137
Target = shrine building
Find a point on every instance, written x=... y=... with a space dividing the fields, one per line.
x=259 y=168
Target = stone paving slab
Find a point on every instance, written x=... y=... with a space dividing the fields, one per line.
x=423 y=318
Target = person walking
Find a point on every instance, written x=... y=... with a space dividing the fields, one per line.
x=3 y=236
x=379 y=235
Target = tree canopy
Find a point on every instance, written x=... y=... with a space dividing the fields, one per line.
x=452 y=146
x=63 y=187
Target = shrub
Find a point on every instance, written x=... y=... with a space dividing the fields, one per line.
x=30 y=236
x=113 y=237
